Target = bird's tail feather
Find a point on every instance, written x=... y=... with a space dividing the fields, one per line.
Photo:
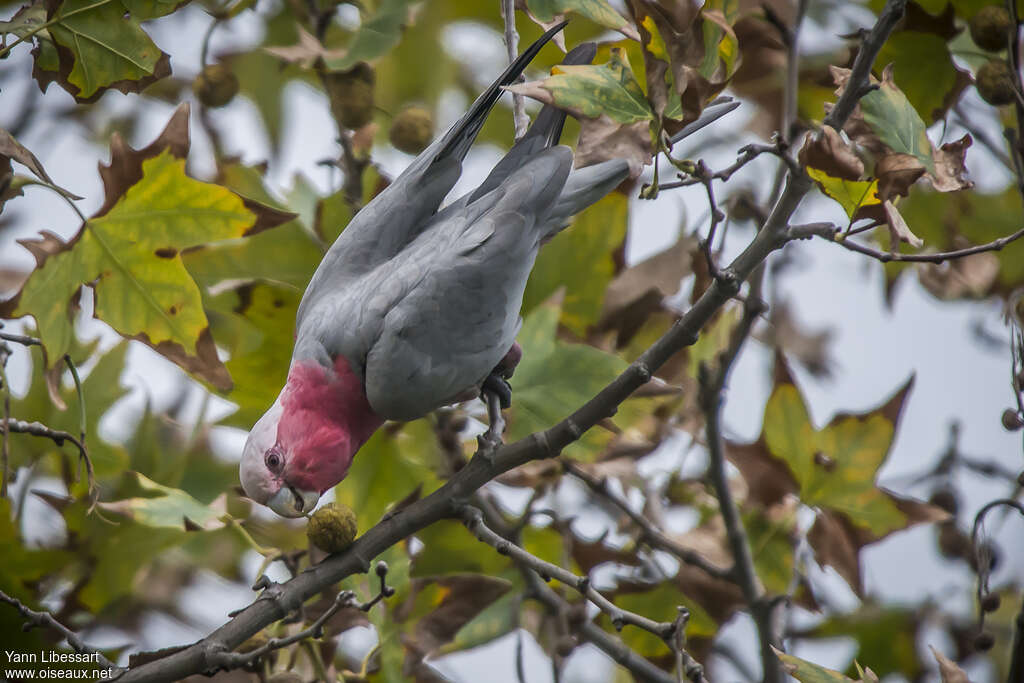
x=460 y=137
x=544 y=132
x=714 y=111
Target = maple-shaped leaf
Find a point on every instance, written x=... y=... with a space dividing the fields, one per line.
x=100 y=45
x=832 y=469
x=129 y=253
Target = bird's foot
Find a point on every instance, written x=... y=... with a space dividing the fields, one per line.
x=496 y=394
x=496 y=384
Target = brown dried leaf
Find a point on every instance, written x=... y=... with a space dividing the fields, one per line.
x=896 y=173
x=949 y=671
x=916 y=18
x=768 y=479
x=898 y=228
x=307 y=52
x=638 y=291
x=602 y=139
x=837 y=542
x=464 y=596
x=950 y=166
x=810 y=349
x=830 y=153
x=971 y=276
x=125 y=167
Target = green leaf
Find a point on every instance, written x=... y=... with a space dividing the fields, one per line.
x=392 y=465
x=256 y=323
x=771 y=547
x=581 y=259
x=592 y=90
x=721 y=46
x=892 y=117
x=109 y=48
x=23 y=565
x=928 y=76
x=494 y=621
x=144 y=10
x=852 y=195
x=377 y=35
x=286 y=256
x=449 y=548
x=131 y=258
x=554 y=378
x=598 y=11
x=886 y=638
x=165 y=507
x=809 y=672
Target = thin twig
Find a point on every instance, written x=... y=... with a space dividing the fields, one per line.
x=20 y=339
x=747 y=153
x=707 y=180
x=5 y=449
x=641 y=669
x=473 y=519
x=940 y=257
x=57 y=436
x=859 y=83
x=346 y=598
x=46 y=620
x=710 y=398
x=649 y=532
x=979 y=134
x=508 y=16
x=982 y=561
x=81 y=397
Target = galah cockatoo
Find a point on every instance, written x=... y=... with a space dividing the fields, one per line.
x=413 y=308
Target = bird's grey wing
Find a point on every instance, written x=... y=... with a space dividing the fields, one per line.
x=385 y=225
x=462 y=315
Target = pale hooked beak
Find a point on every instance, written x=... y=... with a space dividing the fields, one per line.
x=292 y=502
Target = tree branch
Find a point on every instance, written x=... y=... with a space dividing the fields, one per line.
x=859 y=83
x=830 y=232
x=649 y=532
x=346 y=598
x=46 y=620
x=508 y=16
x=710 y=398
x=639 y=666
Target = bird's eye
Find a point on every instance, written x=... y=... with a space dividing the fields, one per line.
x=273 y=460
